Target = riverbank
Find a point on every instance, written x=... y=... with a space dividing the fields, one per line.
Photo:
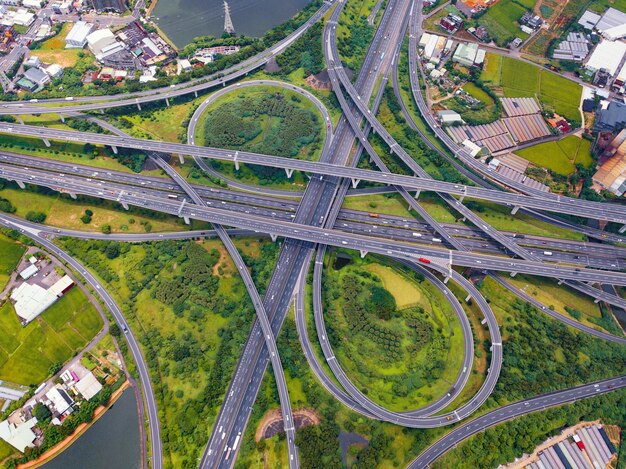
x=63 y=445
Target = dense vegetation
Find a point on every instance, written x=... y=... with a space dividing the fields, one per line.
x=305 y=53
x=354 y=34
x=191 y=314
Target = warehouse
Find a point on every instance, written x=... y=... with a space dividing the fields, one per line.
x=30 y=301
x=607 y=55
x=88 y=386
x=61 y=286
x=77 y=37
x=29 y=271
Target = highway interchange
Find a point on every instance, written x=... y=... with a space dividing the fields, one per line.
x=316 y=219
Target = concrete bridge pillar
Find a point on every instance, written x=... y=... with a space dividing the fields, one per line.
x=19 y=119
x=181 y=158
x=363 y=253
x=462 y=198
x=273 y=237
x=195 y=93
x=21 y=184
x=468 y=298
x=73 y=195
x=62 y=118
x=101 y=111
x=289 y=172
x=417 y=194
x=46 y=142
x=167 y=102
x=114 y=148
x=484 y=321
x=445 y=280
x=125 y=205
x=139 y=106
x=187 y=221
x=513 y=274
x=596 y=301
x=560 y=282
x=355 y=182
x=235 y=160
x=515 y=209
x=622 y=229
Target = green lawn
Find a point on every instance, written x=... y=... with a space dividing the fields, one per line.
x=11 y=254
x=521 y=79
x=27 y=353
x=501 y=21
x=560 y=156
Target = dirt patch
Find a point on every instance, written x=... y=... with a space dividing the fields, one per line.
x=272 y=422
x=220 y=262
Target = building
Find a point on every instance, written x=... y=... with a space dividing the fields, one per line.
x=589 y=19
x=611 y=19
x=59 y=402
x=610 y=117
x=19 y=435
x=32 y=61
x=100 y=40
x=30 y=301
x=589 y=105
x=575 y=47
x=77 y=37
x=43 y=31
x=62 y=286
x=466 y=54
x=11 y=3
x=607 y=55
x=114 y=6
x=448 y=117
x=33 y=4
x=183 y=65
x=88 y=386
x=23 y=17
x=33 y=80
x=29 y=271
x=55 y=71
x=514 y=107
x=611 y=174
x=433 y=45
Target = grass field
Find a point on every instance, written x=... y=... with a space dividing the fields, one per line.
x=53 y=50
x=27 y=353
x=560 y=156
x=66 y=213
x=521 y=79
x=11 y=254
x=403 y=290
x=501 y=21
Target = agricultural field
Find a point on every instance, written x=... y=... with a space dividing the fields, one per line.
x=560 y=156
x=501 y=21
x=28 y=353
x=520 y=79
x=396 y=316
x=11 y=255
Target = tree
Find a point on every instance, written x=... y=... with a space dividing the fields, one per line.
x=106 y=229
x=115 y=331
x=36 y=217
x=42 y=413
x=112 y=250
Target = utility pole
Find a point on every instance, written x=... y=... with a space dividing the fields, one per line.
x=228 y=23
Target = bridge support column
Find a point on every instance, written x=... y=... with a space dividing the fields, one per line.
x=468 y=298
x=101 y=111
x=114 y=148
x=235 y=160
x=21 y=184
x=19 y=119
x=596 y=301
x=417 y=194
x=462 y=198
x=125 y=205
x=445 y=280
x=46 y=142
x=195 y=93
x=560 y=282
x=515 y=209
x=513 y=274
x=622 y=229
x=363 y=253
x=289 y=172
x=73 y=195
x=186 y=219
x=167 y=102
x=484 y=321
x=181 y=158
x=355 y=182
x=274 y=237
x=62 y=118
x=139 y=106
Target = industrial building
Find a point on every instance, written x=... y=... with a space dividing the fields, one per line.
x=610 y=117
x=29 y=271
x=589 y=19
x=61 y=286
x=88 y=386
x=607 y=55
x=32 y=300
x=469 y=54
x=611 y=175
x=612 y=24
x=59 y=402
x=19 y=435
x=33 y=80
x=77 y=37
x=448 y=117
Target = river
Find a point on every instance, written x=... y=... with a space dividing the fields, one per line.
x=182 y=20
x=111 y=442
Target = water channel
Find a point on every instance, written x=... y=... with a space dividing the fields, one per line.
x=182 y=20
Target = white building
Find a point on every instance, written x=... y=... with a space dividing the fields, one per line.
x=29 y=271
x=449 y=117
x=61 y=286
x=55 y=71
x=88 y=386
x=32 y=62
x=183 y=65
x=31 y=300
x=34 y=4
x=77 y=37
x=59 y=400
x=611 y=19
x=607 y=55
x=23 y=17
x=20 y=436
x=99 y=40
